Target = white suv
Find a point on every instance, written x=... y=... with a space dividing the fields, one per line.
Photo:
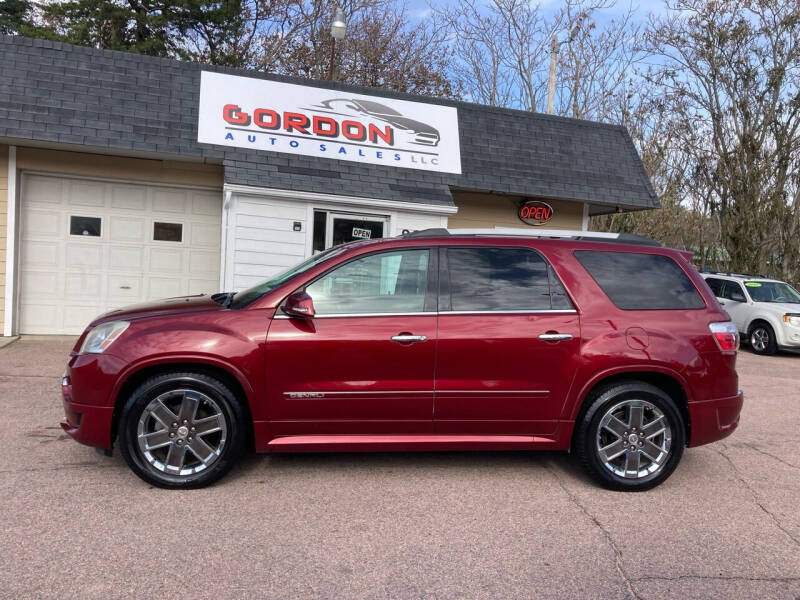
x=766 y=311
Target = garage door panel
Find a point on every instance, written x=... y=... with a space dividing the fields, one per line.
x=205 y=235
x=82 y=284
x=125 y=258
x=169 y=201
x=127 y=229
x=42 y=190
x=41 y=317
x=86 y=193
x=124 y=288
x=84 y=256
x=43 y=224
x=78 y=316
x=165 y=287
x=129 y=197
x=68 y=280
x=203 y=264
x=166 y=260
x=206 y=204
x=40 y=254
x=41 y=284
x=203 y=286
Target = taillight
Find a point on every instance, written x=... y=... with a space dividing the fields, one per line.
x=726 y=334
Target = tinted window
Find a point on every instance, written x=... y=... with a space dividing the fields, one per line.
x=733 y=291
x=389 y=282
x=86 y=226
x=715 y=285
x=641 y=281
x=167 y=232
x=502 y=279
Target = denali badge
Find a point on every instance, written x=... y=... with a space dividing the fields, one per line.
x=305 y=394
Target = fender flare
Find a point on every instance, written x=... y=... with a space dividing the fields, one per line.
x=632 y=369
x=183 y=357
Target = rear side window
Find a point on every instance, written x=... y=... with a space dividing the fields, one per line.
x=716 y=286
x=502 y=280
x=634 y=281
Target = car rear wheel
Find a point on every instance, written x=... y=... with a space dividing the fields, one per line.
x=181 y=430
x=631 y=438
x=762 y=339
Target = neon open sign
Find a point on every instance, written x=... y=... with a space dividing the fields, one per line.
x=535 y=212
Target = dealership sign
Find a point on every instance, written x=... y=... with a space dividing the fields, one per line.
x=535 y=212
x=297 y=119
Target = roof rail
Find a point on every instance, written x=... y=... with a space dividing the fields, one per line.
x=727 y=274
x=587 y=236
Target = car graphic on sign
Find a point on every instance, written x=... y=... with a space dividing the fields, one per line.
x=414 y=132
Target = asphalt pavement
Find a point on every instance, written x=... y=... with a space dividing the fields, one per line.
x=76 y=524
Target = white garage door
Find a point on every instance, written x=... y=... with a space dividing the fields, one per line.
x=88 y=246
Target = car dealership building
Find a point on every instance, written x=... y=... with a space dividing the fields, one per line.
x=125 y=178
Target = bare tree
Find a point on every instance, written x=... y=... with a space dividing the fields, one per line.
x=383 y=47
x=733 y=70
x=500 y=51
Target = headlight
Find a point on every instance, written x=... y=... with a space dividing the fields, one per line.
x=792 y=319
x=102 y=336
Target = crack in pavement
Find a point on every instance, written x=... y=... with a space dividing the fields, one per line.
x=744 y=482
x=716 y=577
x=765 y=453
x=617 y=552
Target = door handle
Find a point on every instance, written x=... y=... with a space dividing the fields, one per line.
x=408 y=338
x=555 y=337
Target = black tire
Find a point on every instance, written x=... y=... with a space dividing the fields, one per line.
x=588 y=431
x=208 y=391
x=761 y=338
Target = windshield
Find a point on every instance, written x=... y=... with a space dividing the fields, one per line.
x=772 y=291
x=245 y=297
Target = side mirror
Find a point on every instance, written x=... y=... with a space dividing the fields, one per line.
x=299 y=304
x=737 y=297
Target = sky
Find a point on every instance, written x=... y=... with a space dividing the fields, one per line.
x=421 y=9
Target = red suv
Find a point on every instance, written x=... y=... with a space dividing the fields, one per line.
x=435 y=340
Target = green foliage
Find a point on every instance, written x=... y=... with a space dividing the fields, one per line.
x=15 y=16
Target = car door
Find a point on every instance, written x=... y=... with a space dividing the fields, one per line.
x=364 y=363
x=736 y=303
x=507 y=345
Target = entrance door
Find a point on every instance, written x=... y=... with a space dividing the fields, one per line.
x=508 y=343
x=343 y=227
x=364 y=363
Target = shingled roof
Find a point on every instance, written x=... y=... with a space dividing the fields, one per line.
x=106 y=101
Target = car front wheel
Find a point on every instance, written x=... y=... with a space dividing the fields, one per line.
x=181 y=430
x=631 y=437
x=762 y=339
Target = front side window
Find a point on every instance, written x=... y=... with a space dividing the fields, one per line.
x=733 y=291
x=502 y=280
x=388 y=282
x=637 y=281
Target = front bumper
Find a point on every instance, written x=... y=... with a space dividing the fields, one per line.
x=86 y=391
x=713 y=420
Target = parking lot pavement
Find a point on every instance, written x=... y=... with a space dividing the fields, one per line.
x=431 y=525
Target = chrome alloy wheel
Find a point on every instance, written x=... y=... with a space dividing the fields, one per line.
x=634 y=439
x=181 y=432
x=759 y=339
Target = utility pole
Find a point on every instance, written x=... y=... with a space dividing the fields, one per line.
x=551 y=83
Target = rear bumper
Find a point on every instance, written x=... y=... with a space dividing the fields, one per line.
x=713 y=420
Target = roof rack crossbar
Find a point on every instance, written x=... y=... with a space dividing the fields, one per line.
x=588 y=236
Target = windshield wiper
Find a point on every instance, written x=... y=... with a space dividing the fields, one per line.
x=224 y=298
